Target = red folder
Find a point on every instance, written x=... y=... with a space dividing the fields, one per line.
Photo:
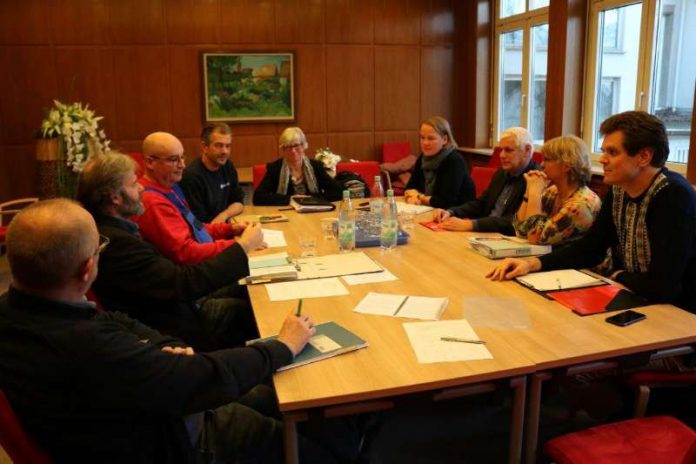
x=432 y=225
x=588 y=300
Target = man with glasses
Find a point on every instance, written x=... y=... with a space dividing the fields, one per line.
x=101 y=387
x=494 y=209
x=194 y=302
x=210 y=182
x=168 y=222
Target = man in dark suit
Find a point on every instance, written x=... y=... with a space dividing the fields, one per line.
x=494 y=209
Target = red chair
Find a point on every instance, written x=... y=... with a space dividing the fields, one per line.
x=394 y=151
x=16 y=443
x=140 y=161
x=257 y=173
x=7 y=211
x=482 y=177
x=660 y=439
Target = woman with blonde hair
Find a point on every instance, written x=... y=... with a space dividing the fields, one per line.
x=295 y=174
x=558 y=206
x=440 y=177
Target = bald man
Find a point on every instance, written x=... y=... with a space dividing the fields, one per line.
x=168 y=222
x=101 y=387
x=194 y=302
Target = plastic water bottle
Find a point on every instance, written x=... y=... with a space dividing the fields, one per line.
x=377 y=202
x=346 y=224
x=390 y=224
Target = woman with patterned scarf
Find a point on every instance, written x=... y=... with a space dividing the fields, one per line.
x=440 y=177
x=294 y=174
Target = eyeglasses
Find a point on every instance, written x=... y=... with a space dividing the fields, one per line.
x=103 y=243
x=170 y=159
x=294 y=146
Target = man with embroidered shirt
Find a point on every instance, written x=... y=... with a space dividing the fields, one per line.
x=494 y=209
x=210 y=182
x=648 y=218
x=168 y=222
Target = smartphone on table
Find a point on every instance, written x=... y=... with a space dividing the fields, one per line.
x=625 y=318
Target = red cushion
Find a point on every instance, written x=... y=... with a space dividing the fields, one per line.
x=140 y=161
x=662 y=377
x=17 y=444
x=660 y=439
x=3 y=234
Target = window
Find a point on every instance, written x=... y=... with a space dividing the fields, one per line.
x=639 y=58
x=520 y=75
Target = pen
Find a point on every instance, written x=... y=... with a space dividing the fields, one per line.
x=286 y=209
x=400 y=306
x=299 y=308
x=462 y=340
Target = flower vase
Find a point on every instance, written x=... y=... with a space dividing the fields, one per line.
x=55 y=178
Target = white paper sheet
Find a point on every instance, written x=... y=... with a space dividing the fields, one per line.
x=415 y=307
x=374 y=277
x=415 y=209
x=274 y=238
x=313 y=288
x=425 y=338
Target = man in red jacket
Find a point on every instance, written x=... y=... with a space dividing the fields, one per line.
x=168 y=222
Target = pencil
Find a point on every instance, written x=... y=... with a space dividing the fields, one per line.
x=299 y=308
x=462 y=340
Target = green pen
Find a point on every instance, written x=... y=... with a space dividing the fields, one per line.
x=299 y=308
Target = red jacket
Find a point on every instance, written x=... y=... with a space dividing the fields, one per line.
x=162 y=225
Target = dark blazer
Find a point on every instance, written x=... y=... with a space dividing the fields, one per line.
x=97 y=387
x=265 y=194
x=453 y=185
x=135 y=278
x=480 y=208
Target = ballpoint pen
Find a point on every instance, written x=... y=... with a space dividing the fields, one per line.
x=299 y=308
x=462 y=340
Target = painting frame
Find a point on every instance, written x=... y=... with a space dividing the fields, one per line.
x=248 y=86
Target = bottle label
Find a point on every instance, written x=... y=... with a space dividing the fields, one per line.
x=346 y=235
x=389 y=231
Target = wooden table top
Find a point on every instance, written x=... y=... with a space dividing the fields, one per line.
x=441 y=264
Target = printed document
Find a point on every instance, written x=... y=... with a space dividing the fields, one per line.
x=415 y=307
x=427 y=341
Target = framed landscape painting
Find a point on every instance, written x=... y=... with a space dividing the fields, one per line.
x=249 y=87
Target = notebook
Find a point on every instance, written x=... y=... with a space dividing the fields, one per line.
x=311 y=204
x=330 y=340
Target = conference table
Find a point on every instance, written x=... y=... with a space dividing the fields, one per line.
x=441 y=264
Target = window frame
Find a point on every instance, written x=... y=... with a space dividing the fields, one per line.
x=524 y=21
x=645 y=66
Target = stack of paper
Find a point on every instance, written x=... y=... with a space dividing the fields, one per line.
x=416 y=307
x=274 y=238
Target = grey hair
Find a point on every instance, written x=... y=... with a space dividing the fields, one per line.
x=292 y=135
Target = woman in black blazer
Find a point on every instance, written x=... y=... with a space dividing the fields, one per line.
x=440 y=177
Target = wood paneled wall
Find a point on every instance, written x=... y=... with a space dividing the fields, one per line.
x=367 y=71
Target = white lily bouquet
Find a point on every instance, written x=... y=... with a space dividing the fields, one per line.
x=329 y=159
x=78 y=128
